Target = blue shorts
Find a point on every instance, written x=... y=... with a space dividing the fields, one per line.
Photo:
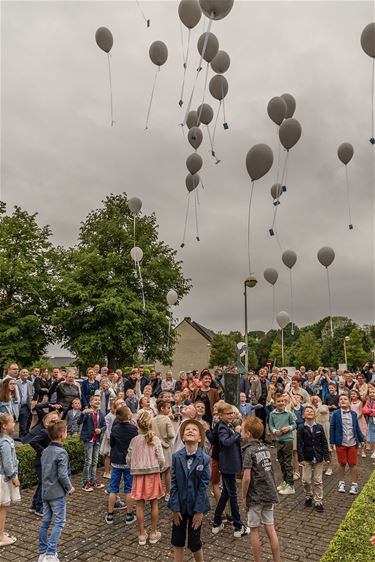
x=114 y=485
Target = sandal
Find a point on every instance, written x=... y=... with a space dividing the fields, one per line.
x=155 y=538
x=9 y=540
x=142 y=539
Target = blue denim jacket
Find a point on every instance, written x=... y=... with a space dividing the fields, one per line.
x=8 y=458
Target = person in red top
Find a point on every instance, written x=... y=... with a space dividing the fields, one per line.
x=93 y=425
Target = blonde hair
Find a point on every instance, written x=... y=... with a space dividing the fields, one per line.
x=4 y=420
x=144 y=423
x=222 y=406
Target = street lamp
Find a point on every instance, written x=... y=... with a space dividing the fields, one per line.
x=347 y=338
x=249 y=282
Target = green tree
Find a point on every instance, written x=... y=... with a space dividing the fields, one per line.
x=307 y=351
x=223 y=351
x=333 y=347
x=356 y=355
x=27 y=263
x=100 y=313
x=276 y=353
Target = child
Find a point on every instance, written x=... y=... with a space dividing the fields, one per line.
x=259 y=490
x=56 y=484
x=230 y=464
x=357 y=406
x=214 y=442
x=189 y=501
x=93 y=425
x=332 y=399
x=346 y=435
x=105 y=448
x=369 y=410
x=144 y=405
x=246 y=408
x=9 y=483
x=131 y=400
x=312 y=447
x=74 y=417
x=146 y=460
x=322 y=417
x=282 y=424
x=163 y=428
x=122 y=433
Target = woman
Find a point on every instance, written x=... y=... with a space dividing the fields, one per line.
x=295 y=389
x=89 y=386
x=309 y=384
x=362 y=387
x=169 y=382
x=9 y=403
x=42 y=385
x=182 y=382
x=67 y=390
x=208 y=395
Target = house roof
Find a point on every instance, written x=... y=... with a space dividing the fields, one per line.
x=205 y=332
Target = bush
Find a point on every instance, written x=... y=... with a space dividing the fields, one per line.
x=352 y=540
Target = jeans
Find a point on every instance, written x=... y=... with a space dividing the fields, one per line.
x=24 y=420
x=91 y=451
x=52 y=508
x=37 y=502
x=229 y=491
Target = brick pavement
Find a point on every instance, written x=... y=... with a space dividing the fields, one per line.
x=304 y=534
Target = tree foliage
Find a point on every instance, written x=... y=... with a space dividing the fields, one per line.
x=223 y=348
x=308 y=351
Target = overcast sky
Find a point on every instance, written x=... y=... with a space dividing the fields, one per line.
x=60 y=157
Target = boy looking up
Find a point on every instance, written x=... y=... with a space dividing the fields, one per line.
x=282 y=424
x=93 y=425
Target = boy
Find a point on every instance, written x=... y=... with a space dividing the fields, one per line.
x=122 y=433
x=259 y=490
x=189 y=501
x=131 y=401
x=245 y=407
x=332 y=398
x=74 y=417
x=345 y=434
x=282 y=424
x=312 y=449
x=56 y=484
x=93 y=425
x=230 y=464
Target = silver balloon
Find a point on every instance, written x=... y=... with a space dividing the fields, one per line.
x=172 y=297
x=135 y=205
x=194 y=163
x=276 y=190
x=368 y=40
x=345 y=152
x=290 y=132
x=189 y=12
x=218 y=87
x=205 y=113
x=271 y=275
x=290 y=105
x=282 y=319
x=158 y=53
x=259 y=161
x=136 y=254
x=326 y=256
x=289 y=258
x=195 y=137
x=104 y=39
x=192 y=119
x=277 y=109
x=216 y=9
x=192 y=181
x=221 y=62
x=211 y=44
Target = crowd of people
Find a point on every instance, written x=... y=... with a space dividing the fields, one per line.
x=171 y=438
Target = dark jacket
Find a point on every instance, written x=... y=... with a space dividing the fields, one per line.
x=40 y=384
x=213 y=438
x=55 y=472
x=66 y=393
x=38 y=439
x=335 y=429
x=121 y=435
x=230 y=457
x=87 y=430
x=130 y=383
x=312 y=444
x=156 y=386
x=85 y=392
x=189 y=488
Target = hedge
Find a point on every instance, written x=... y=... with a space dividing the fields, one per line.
x=26 y=456
x=352 y=540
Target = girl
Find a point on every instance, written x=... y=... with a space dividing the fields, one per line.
x=322 y=417
x=9 y=483
x=8 y=398
x=106 y=393
x=147 y=393
x=163 y=427
x=144 y=406
x=74 y=417
x=369 y=410
x=146 y=460
x=356 y=405
x=105 y=449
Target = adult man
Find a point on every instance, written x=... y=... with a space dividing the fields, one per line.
x=135 y=375
x=35 y=374
x=25 y=387
x=155 y=382
x=260 y=410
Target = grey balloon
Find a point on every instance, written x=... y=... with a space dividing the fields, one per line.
x=221 y=62
x=205 y=113
x=135 y=205
x=195 y=137
x=368 y=40
x=326 y=256
x=104 y=39
x=289 y=258
x=270 y=275
x=345 y=152
x=189 y=12
x=218 y=86
x=192 y=119
x=212 y=46
x=259 y=160
x=290 y=132
x=276 y=190
x=216 y=9
x=277 y=109
x=282 y=319
x=290 y=105
x=192 y=181
x=158 y=53
x=194 y=163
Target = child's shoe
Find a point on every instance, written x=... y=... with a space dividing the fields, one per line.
x=281 y=486
x=142 y=539
x=155 y=538
x=329 y=471
x=308 y=502
x=288 y=490
x=319 y=507
x=130 y=518
x=41 y=557
x=296 y=476
x=363 y=453
x=354 y=489
x=167 y=497
x=97 y=485
x=109 y=518
x=119 y=505
x=216 y=529
x=341 y=487
x=373 y=455
x=87 y=487
x=238 y=533
x=50 y=558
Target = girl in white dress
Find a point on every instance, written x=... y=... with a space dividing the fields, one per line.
x=9 y=483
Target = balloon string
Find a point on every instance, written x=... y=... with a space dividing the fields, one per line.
x=282 y=347
x=185 y=58
x=212 y=146
x=329 y=302
x=274 y=216
x=348 y=195
x=273 y=306
x=152 y=97
x=225 y=120
x=110 y=88
x=182 y=42
x=196 y=215
x=284 y=173
x=141 y=284
x=197 y=193
x=135 y=265
x=373 y=100
x=291 y=301
x=248 y=226
x=216 y=120
x=143 y=14
x=278 y=155
x=186 y=220
x=169 y=328
x=204 y=91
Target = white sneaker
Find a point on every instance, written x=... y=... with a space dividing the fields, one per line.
x=41 y=557
x=216 y=530
x=287 y=491
x=243 y=532
x=363 y=453
x=342 y=487
x=281 y=486
x=373 y=455
x=354 y=489
x=50 y=558
x=329 y=472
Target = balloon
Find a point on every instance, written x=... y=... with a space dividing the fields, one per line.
x=368 y=39
x=276 y=190
x=189 y=12
x=205 y=113
x=290 y=105
x=136 y=254
x=259 y=160
x=158 y=53
x=194 y=163
x=289 y=258
x=290 y=132
x=195 y=137
x=345 y=152
x=104 y=39
x=212 y=46
x=326 y=256
x=221 y=62
x=271 y=275
x=172 y=297
x=135 y=205
x=216 y=9
x=218 y=87
x=192 y=119
x=282 y=319
x=192 y=181
x=277 y=109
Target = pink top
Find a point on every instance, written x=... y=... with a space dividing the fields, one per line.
x=143 y=458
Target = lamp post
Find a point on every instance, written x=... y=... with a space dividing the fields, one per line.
x=250 y=282
x=347 y=338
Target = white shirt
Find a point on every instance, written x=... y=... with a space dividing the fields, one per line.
x=348 y=439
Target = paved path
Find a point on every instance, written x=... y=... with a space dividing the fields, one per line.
x=304 y=534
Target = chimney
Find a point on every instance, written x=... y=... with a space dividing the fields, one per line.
x=188 y=319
